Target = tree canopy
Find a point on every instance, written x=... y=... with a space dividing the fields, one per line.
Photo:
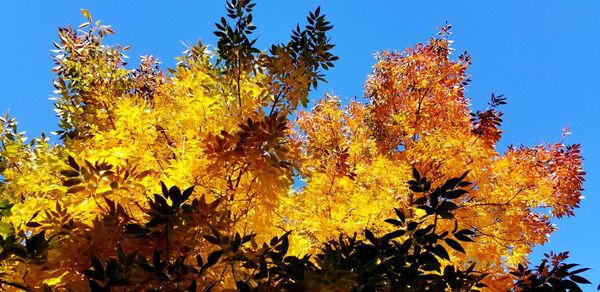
x=183 y=178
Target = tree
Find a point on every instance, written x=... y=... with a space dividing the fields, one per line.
x=155 y=168
x=356 y=159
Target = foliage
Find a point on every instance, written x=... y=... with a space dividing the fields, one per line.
x=224 y=124
x=410 y=258
x=557 y=276
x=356 y=157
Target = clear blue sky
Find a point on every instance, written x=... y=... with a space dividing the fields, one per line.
x=543 y=55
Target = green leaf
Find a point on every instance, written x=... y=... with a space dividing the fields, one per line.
x=454 y=244
x=36 y=244
x=400 y=215
x=451 y=183
x=95 y=287
x=72 y=182
x=6 y=229
x=430 y=262
x=447 y=205
x=199 y=260
x=463 y=237
x=4 y=204
x=192 y=287
x=69 y=173
x=242 y=286
x=578 y=271
x=71 y=161
x=393 y=234
x=31 y=224
x=580 y=279
x=420 y=201
x=455 y=194
x=75 y=189
x=441 y=252
x=187 y=193
x=5 y=207
x=369 y=235
x=412 y=226
x=394 y=222
x=175 y=195
x=416 y=174
x=212 y=259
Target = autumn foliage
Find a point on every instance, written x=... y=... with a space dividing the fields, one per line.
x=158 y=165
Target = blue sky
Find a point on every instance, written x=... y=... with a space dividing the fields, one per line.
x=544 y=56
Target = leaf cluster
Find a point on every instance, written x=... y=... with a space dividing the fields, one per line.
x=413 y=257
x=552 y=274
